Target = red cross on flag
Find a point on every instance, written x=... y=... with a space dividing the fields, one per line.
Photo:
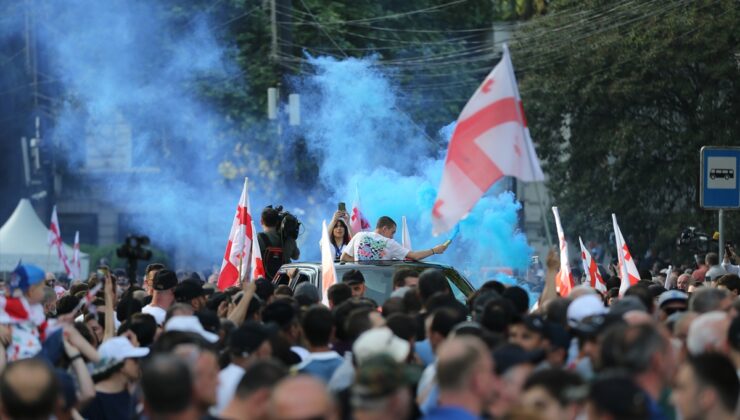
x=237 y=258
x=564 y=279
x=593 y=277
x=258 y=267
x=55 y=240
x=357 y=220
x=627 y=269
x=491 y=140
x=328 y=271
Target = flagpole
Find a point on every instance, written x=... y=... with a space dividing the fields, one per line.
x=241 y=257
x=531 y=164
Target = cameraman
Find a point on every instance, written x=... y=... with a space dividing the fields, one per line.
x=276 y=249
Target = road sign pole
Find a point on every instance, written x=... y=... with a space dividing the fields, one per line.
x=721 y=235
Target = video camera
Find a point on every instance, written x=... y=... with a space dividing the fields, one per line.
x=288 y=225
x=132 y=251
x=694 y=240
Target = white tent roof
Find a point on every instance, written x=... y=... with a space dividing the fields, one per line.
x=24 y=237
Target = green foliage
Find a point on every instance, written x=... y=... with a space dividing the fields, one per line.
x=620 y=97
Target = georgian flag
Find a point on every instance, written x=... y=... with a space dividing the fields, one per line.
x=237 y=258
x=627 y=267
x=258 y=267
x=491 y=140
x=55 y=240
x=591 y=270
x=357 y=220
x=564 y=279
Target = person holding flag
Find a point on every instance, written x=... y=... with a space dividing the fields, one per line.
x=379 y=245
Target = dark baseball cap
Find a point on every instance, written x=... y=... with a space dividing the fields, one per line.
x=164 y=280
x=189 y=289
x=510 y=355
x=249 y=337
x=353 y=277
x=535 y=323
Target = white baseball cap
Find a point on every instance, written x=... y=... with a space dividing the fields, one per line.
x=583 y=307
x=380 y=340
x=189 y=323
x=120 y=348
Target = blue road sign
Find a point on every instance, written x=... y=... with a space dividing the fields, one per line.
x=719 y=186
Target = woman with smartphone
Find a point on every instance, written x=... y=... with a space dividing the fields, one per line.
x=339 y=231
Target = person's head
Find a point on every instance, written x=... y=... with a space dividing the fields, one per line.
x=270 y=217
x=301 y=397
x=204 y=363
x=644 y=294
x=167 y=386
x=30 y=280
x=683 y=282
x=731 y=282
x=465 y=366
x=318 y=326
x=339 y=233
x=639 y=350
x=671 y=302
x=381 y=387
x=96 y=328
x=28 y=390
x=253 y=392
x=405 y=278
x=306 y=294
x=338 y=293
x=518 y=297
x=377 y=341
x=617 y=397
x=67 y=304
x=497 y=314
x=50 y=301
x=706 y=387
x=553 y=394
x=150 y=273
x=385 y=227
x=144 y=326
x=530 y=333
x=248 y=343
x=192 y=293
x=163 y=287
x=432 y=281
x=443 y=320
x=119 y=359
x=708 y=299
x=283 y=313
x=356 y=281
x=708 y=332
x=711 y=259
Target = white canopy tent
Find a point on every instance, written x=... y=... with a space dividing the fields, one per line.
x=24 y=237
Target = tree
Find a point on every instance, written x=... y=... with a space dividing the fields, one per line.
x=620 y=97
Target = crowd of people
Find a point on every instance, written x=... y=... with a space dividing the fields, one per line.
x=172 y=346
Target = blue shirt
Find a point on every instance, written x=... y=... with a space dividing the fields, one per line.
x=450 y=412
x=322 y=365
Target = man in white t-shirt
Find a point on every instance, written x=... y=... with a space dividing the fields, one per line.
x=164 y=295
x=379 y=245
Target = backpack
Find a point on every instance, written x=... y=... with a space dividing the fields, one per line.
x=272 y=256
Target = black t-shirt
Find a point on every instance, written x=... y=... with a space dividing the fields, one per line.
x=118 y=406
x=290 y=248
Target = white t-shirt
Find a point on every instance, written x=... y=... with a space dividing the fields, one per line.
x=228 y=380
x=366 y=246
x=158 y=313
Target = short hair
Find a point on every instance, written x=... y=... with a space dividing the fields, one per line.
x=455 y=366
x=642 y=293
x=144 y=326
x=66 y=304
x=283 y=290
x=712 y=258
x=716 y=371
x=432 y=281
x=707 y=299
x=127 y=306
x=399 y=277
x=631 y=347
x=445 y=319
x=518 y=297
x=556 y=382
x=167 y=384
x=153 y=267
x=260 y=374
x=29 y=402
x=318 y=323
x=730 y=281
x=357 y=322
x=393 y=306
x=402 y=325
x=385 y=222
x=353 y=275
x=704 y=332
x=498 y=314
x=270 y=217
x=338 y=293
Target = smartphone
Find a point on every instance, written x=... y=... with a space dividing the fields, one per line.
x=342 y=207
x=103 y=271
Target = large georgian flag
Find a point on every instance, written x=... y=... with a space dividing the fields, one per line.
x=564 y=279
x=55 y=240
x=591 y=270
x=491 y=140
x=627 y=268
x=237 y=257
x=357 y=220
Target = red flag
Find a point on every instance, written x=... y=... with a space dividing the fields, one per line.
x=564 y=279
x=328 y=271
x=593 y=277
x=627 y=267
x=55 y=240
x=357 y=221
x=237 y=256
x=258 y=267
x=491 y=140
